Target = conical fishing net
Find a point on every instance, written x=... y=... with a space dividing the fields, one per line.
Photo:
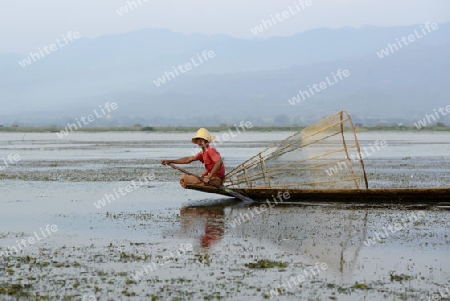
x=324 y=155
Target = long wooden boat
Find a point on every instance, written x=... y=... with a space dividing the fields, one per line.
x=321 y=163
x=436 y=196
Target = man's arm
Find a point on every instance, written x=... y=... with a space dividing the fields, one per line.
x=185 y=160
x=215 y=169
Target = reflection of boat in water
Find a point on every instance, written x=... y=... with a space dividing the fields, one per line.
x=321 y=163
x=312 y=234
x=307 y=234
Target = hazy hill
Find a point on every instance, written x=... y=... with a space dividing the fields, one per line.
x=245 y=79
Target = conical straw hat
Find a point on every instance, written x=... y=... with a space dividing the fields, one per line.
x=204 y=134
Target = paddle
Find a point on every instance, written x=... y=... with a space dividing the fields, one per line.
x=225 y=189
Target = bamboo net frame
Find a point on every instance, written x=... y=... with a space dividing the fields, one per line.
x=325 y=154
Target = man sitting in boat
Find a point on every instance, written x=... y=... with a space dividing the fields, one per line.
x=214 y=167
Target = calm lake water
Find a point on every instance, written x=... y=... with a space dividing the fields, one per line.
x=96 y=252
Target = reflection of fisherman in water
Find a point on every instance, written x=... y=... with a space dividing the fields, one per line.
x=211 y=219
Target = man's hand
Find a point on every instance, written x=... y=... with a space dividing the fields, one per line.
x=206 y=179
x=165 y=162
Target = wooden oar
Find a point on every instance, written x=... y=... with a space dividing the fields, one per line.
x=225 y=189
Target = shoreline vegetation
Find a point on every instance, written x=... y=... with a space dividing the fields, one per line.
x=183 y=129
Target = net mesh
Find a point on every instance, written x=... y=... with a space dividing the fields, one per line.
x=324 y=155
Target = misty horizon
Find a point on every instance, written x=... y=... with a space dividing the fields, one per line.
x=264 y=67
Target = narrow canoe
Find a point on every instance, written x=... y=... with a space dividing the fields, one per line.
x=364 y=196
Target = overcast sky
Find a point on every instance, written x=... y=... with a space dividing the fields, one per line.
x=28 y=24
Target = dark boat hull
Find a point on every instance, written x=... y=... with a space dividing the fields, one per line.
x=369 y=196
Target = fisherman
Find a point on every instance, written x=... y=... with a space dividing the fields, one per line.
x=214 y=168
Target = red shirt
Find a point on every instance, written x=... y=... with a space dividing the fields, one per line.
x=209 y=157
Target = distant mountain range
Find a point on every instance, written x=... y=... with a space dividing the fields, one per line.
x=240 y=79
